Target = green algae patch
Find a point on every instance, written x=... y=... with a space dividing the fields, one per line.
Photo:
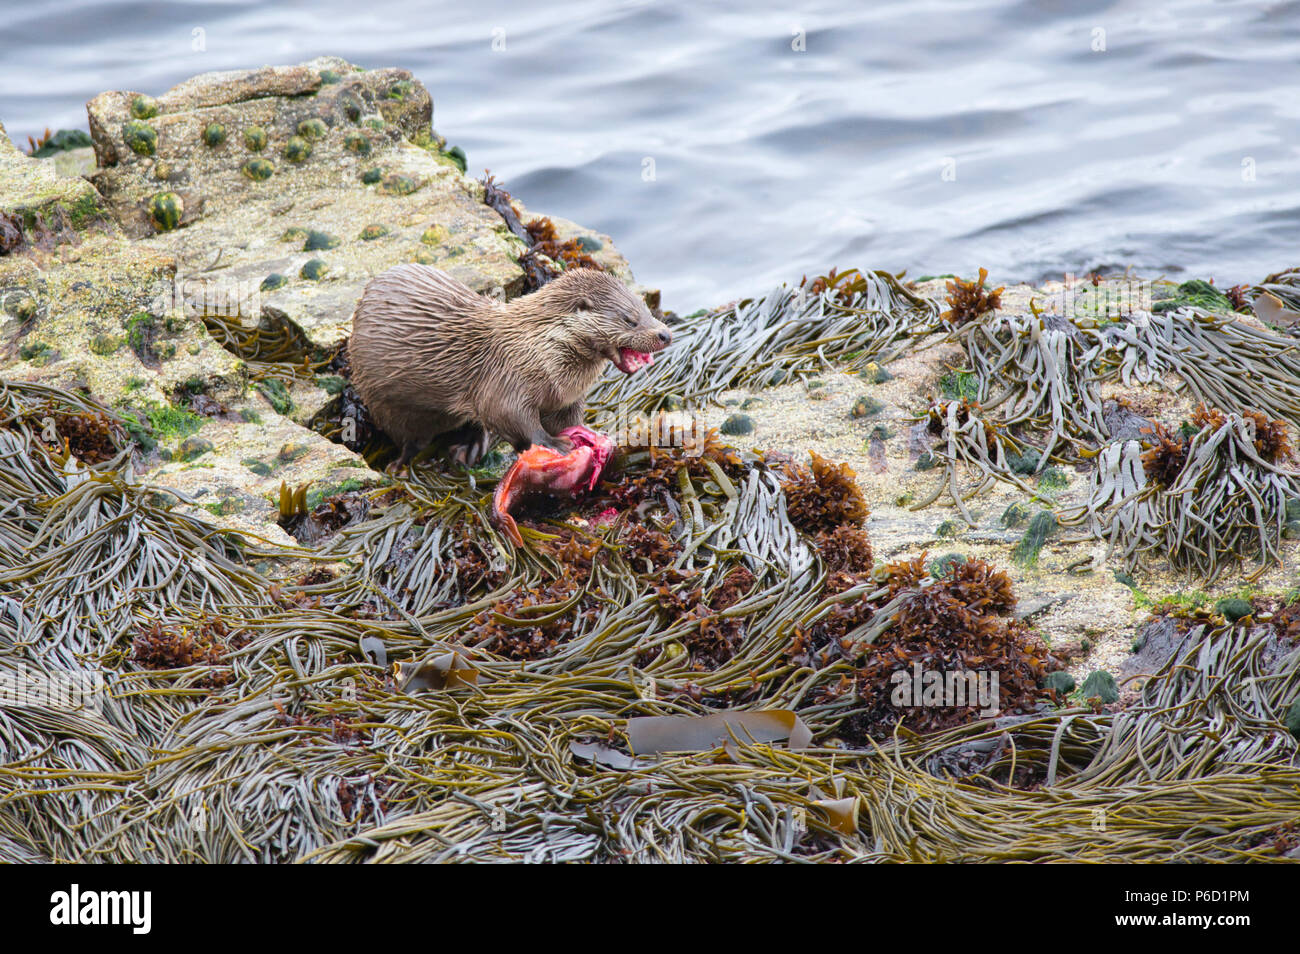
x=170 y=422
x=314 y=270
x=960 y=385
x=331 y=383
x=372 y=232
x=357 y=142
x=38 y=353
x=140 y=137
x=320 y=241
x=105 y=345
x=457 y=157
x=273 y=281
x=398 y=184
x=866 y=407
x=313 y=130
x=737 y=425
x=214 y=134
x=166 y=209
x=1042 y=527
x=225 y=507
x=193 y=448
x=144 y=107
x=254 y=138
x=1195 y=294
x=1100 y=685
x=276 y=394
x=259 y=170
x=297 y=149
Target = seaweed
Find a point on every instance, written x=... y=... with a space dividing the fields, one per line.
x=681 y=588
x=785 y=334
x=969 y=300
x=955 y=624
x=568 y=254
x=823 y=498
x=1208 y=502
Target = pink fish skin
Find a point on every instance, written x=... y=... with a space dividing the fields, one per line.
x=540 y=470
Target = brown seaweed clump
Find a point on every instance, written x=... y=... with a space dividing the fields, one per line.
x=968 y=300
x=340 y=729
x=938 y=419
x=846 y=550
x=823 y=498
x=161 y=647
x=711 y=639
x=1271 y=440
x=90 y=437
x=648 y=474
x=570 y=254
x=647 y=550
x=328 y=517
x=532 y=623
x=846 y=285
x=356 y=807
x=957 y=628
x=1163 y=461
x=1207 y=417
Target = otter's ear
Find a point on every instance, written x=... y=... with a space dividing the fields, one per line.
x=582 y=303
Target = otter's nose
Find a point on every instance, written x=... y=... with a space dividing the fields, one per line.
x=665 y=337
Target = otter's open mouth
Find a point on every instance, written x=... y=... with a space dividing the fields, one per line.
x=629 y=360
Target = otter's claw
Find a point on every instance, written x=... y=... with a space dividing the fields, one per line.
x=540 y=470
x=471 y=449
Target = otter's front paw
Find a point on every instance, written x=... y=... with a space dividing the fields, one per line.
x=557 y=442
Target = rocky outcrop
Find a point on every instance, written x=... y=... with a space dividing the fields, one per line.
x=245 y=209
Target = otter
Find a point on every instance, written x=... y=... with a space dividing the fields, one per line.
x=431 y=357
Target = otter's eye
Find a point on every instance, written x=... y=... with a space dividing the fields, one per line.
x=631 y=320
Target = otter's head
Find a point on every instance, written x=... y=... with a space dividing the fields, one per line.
x=615 y=323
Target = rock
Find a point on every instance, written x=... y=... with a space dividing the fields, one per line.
x=1123 y=423
x=1036 y=606
x=40 y=207
x=110 y=284
x=1293 y=718
x=193 y=447
x=737 y=425
x=291 y=157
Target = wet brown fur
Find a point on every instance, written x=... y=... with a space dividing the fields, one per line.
x=431 y=356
